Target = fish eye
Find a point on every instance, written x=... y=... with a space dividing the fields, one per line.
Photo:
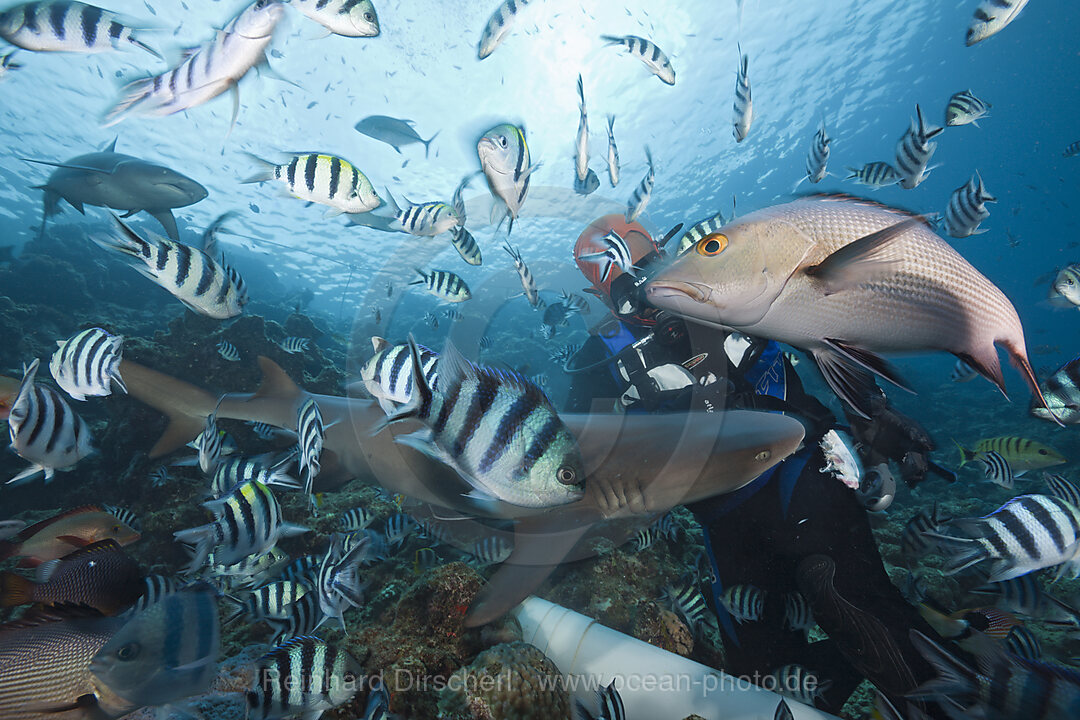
x=712 y=244
x=763 y=455
x=116 y=528
x=503 y=141
x=566 y=475
x=128 y=652
x=369 y=17
x=1042 y=451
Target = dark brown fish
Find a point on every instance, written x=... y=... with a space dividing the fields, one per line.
x=59 y=535
x=101 y=576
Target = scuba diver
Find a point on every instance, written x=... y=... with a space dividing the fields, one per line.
x=794 y=530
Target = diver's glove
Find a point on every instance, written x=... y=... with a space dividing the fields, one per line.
x=891 y=435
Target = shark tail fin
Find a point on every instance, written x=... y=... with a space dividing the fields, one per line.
x=185 y=405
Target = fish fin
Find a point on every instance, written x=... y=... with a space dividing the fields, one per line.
x=184 y=404
x=15 y=590
x=68 y=166
x=847 y=370
x=427 y=143
x=275 y=383
x=291 y=529
x=960 y=553
x=112 y=146
x=144 y=46
x=862 y=260
x=88 y=703
x=28 y=473
x=1018 y=357
x=386 y=405
x=869 y=361
x=74 y=540
x=234 y=92
x=954 y=678
x=165 y=217
x=134 y=93
x=266 y=172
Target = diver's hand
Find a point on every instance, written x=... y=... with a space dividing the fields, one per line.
x=621 y=495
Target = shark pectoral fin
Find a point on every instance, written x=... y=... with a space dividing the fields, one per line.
x=541 y=542
x=128 y=214
x=165 y=217
x=77 y=204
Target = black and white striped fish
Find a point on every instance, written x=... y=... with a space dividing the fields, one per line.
x=615 y=254
x=563 y=354
x=964 y=109
x=125 y=516
x=7 y=64
x=962 y=372
x=206 y=71
x=574 y=302
x=492 y=550
x=293 y=345
x=321 y=178
x=914 y=540
x=1063 y=489
x=1062 y=388
x=797 y=683
x=643 y=192
x=797 y=613
x=378 y=704
x=338 y=583
x=609 y=703
x=247 y=521
x=302 y=677
x=744 y=603
x=388 y=374
x=451 y=314
x=875 y=174
x=200 y=282
x=700 y=230
x=310 y=434
x=434 y=530
x=743 y=108
x=967 y=208
x=1025 y=596
x=991 y=17
x=1072 y=150
x=914 y=150
x=87 y=364
x=269 y=602
x=528 y=282
x=1028 y=533
x=612 y=152
x=817 y=160
x=301 y=618
x=66 y=26
x=155 y=588
x=44 y=430
x=355 y=519
x=585 y=180
x=647 y=52
x=228 y=351
x=397 y=528
x=645 y=538
x=348 y=18
x=209 y=444
x=426 y=219
x=465 y=244
x=234 y=470
x=443 y=284
x=432 y=320
x=264 y=431
x=997 y=470
x=686 y=600
x=499 y=26
x=254 y=570
x=159 y=476
x=1023 y=644
x=303 y=570
x=496 y=429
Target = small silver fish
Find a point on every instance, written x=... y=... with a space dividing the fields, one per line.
x=498 y=26
x=744 y=103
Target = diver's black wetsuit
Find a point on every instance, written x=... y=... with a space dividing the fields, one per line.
x=795 y=529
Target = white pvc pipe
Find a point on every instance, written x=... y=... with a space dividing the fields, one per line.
x=653 y=683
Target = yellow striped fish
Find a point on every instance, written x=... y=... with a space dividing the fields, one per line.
x=1022 y=454
x=324 y=179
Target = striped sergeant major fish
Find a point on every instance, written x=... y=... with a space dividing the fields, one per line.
x=293 y=345
x=155 y=587
x=458 y=201
x=303 y=570
x=66 y=26
x=616 y=254
x=798 y=614
x=208 y=70
x=426 y=219
x=1065 y=290
x=200 y=282
x=301 y=618
x=875 y=174
x=8 y=64
x=962 y=372
x=967 y=208
x=744 y=602
x=609 y=703
x=1062 y=488
x=247 y=521
x=574 y=302
x=496 y=429
x=585 y=180
x=914 y=150
x=338 y=582
x=253 y=570
x=378 y=704
x=263 y=431
x=228 y=351
x=357 y=518
x=817 y=160
x=686 y=600
x=87 y=364
x=397 y=528
x=321 y=178
x=797 y=683
x=1025 y=596
x=1028 y=533
x=443 y=284
x=699 y=230
x=612 y=152
x=647 y=52
x=915 y=540
x=348 y=18
x=643 y=192
x=999 y=686
x=231 y=471
x=743 y=108
x=991 y=17
x=504 y=160
x=270 y=602
x=1071 y=151
x=465 y=244
x=528 y=282
x=492 y=550
x=302 y=677
x=965 y=109
x=1021 y=453
x=997 y=470
x=125 y=516
x=563 y=354
x=498 y=26
x=44 y=430
x=1022 y=643
x=310 y=434
x=388 y=374
x=209 y=442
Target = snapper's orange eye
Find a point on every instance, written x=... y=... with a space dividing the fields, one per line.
x=712 y=244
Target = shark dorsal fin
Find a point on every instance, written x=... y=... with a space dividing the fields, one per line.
x=112 y=145
x=275 y=382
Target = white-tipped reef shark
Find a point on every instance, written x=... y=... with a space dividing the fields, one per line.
x=635 y=464
x=120 y=182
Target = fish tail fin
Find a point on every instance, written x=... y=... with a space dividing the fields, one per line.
x=611 y=40
x=140 y=44
x=266 y=170
x=954 y=678
x=427 y=143
x=1018 y=357
x=959 y=553
x=510 y=226
x=988 y=365
x=15 y=590
x=421 y=392
x=854 y=172
x=966 y=455
x=127 y=243
x=184 y=404
x=201 y=539
x=134 y=94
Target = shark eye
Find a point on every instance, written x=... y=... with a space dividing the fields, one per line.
x=763 y=455
x=712 y=245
